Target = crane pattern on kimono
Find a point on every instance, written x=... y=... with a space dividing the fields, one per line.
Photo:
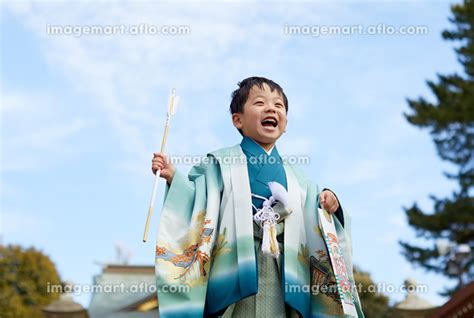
x=191 y=255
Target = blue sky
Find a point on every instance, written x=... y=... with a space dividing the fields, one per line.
x=81 y=117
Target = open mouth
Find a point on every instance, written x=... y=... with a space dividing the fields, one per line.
x=270 y=122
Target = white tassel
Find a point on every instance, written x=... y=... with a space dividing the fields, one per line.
x=268 y=218
x=266 y=239
x=274 y=247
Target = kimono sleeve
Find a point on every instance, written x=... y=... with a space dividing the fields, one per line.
x=181 y=196
x=186 y=235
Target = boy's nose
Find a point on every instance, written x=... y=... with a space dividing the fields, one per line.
x=270 y=108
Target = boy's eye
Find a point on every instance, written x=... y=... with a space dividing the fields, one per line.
x=279 y=105
x=258 y=103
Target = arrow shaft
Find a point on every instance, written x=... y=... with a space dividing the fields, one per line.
x=157 y=175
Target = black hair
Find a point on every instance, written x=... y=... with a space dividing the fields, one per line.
x=240 y=95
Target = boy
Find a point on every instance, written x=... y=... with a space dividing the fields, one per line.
x=209 y=241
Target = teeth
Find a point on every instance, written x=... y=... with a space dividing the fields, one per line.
x=271 y=121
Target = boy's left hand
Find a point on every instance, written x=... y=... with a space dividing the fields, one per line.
x=328 y=201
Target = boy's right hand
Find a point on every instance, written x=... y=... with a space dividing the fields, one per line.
x=167 y=169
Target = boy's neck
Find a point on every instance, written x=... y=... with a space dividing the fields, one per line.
x=267 y=147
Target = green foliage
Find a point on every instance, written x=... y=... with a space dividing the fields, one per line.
x=374 y=304
x=24 y=278
x=450 y=120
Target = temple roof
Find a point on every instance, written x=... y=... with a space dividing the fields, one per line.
x=413 y=301
x=124 y=291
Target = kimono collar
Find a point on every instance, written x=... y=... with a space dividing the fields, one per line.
x=250 y=146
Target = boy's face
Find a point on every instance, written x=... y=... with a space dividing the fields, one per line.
x=264 y=116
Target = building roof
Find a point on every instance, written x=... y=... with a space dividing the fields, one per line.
x=412 y=301
x=461 y=304
x=65 y=304
x=124 y=291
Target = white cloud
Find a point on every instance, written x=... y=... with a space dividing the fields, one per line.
x=33 y=133
x=128 y=76
x=45 y=138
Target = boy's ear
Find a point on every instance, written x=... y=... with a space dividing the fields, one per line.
x=236 y=120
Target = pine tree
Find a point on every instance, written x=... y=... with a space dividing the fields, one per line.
x=450 y=120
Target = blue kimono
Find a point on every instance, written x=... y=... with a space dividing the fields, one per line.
x=264 y=167
x=208 y=242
